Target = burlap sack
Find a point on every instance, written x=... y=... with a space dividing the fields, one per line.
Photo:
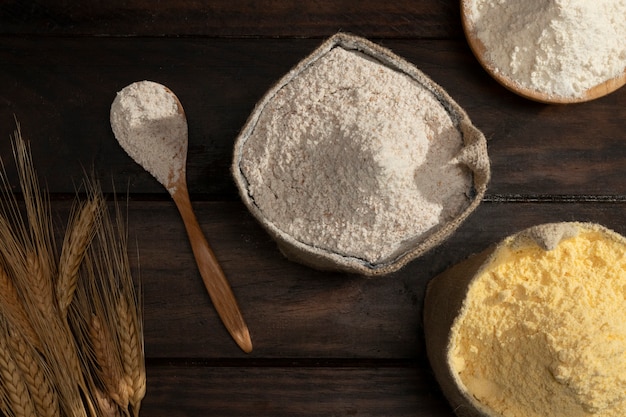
x=474 y=156
x=445 y=296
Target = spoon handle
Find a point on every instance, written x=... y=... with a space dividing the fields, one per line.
x=214 y=279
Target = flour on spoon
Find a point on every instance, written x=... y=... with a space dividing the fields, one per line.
x=145 y=117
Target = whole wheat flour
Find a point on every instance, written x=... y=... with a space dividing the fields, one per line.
x=354 y=157
x=559 y=47
x=542 y=332
x=146 y=120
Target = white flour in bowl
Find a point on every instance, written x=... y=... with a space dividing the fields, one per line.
x=354 y=157
x=558 y=47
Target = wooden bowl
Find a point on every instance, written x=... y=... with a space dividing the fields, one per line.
x=480 y=52
x=446 y=302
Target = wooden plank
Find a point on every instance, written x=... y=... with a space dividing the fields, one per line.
x=325 y=343
x=291 y=310
x=60 y=89
x=294 y=311
x=232 y=18
x=278 y=391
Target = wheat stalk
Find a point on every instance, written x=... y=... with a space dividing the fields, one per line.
x=37 y=380
x=65 y=366
x=38 y=214
x=14 y=310
x=114 y=301
x=132 y=353
x=75 y=345
x=114 y=333
x=39 y=283
x=17 y=397
x=107 y=358
x=106 y=406
x=80 y=232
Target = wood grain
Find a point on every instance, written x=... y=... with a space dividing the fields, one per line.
x=325 y=343
x=61 y=89
x=215 y=281
x=314 y=390
x=294 y=311
x=228 y=18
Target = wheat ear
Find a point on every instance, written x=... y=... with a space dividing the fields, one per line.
x=80 y=232
x=132 y=353
x=14 y=310
x=37 y=380
x=40 y=283
x=106 y=406
x=17 y=397
x=63 y=361
x=110 y=369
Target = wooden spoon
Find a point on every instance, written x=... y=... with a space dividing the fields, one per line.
x=480 y=51
x=149 y=122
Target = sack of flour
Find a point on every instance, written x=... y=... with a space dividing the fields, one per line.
x=533 y=326
x=356 y=161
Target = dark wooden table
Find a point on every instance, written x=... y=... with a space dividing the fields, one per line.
x=325 y=344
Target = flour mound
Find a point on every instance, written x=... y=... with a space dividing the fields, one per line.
x=558 y=47
x=541 y=332
x=148 y=122
x=354 y=157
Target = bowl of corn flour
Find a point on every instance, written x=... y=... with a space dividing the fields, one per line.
x=355 y=161
x=553 y=51
x=533 y=326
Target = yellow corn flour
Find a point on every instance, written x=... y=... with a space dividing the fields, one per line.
x=543 y=333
